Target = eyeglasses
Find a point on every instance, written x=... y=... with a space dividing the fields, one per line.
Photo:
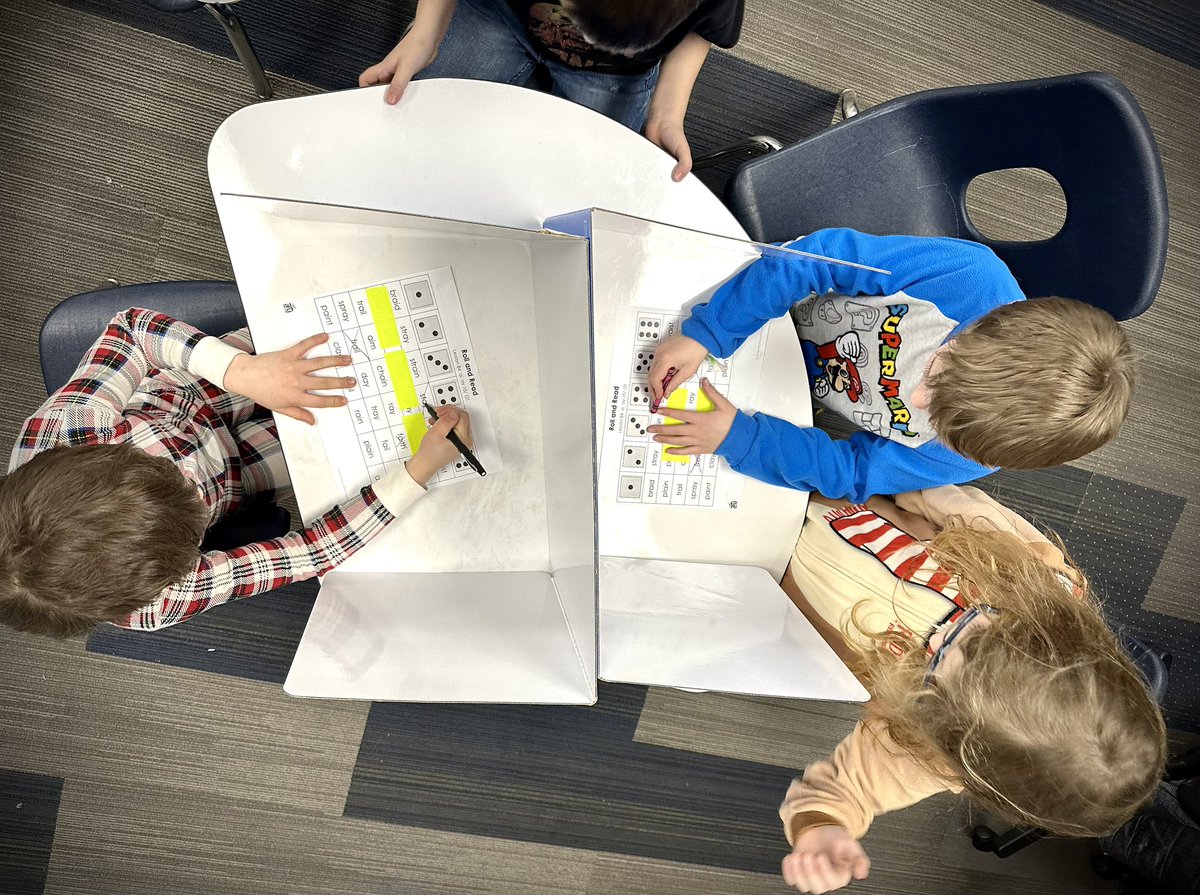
x=950 y=636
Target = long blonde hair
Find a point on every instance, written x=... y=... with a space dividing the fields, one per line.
x=1046 y=721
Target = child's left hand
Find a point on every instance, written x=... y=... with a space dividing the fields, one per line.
x=697 y=432
x=283 y=381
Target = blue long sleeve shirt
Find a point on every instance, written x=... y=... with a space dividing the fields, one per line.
x=867 y=339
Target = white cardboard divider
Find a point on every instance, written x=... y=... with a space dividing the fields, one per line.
x=509 y=615
x=690 y=597
x=505 y=588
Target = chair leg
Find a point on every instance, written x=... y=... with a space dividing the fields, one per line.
x=846 y=107
x=751 y=147
x=223 y=13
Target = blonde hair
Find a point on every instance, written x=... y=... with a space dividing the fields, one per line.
x=1033 y=384
x=1046 y=721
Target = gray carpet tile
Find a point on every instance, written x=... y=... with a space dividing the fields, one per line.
x=28 y=813
x=78 y=716
x=107 y=173
x=566 y=775
x=783 y=732
x=1171 y=27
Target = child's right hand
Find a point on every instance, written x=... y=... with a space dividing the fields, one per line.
x=414 y=52
x=683 y=353
x=823 y=859
x=436 y=450
x=417 y=48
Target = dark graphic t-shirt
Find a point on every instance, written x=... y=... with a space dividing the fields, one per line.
x=551 y=29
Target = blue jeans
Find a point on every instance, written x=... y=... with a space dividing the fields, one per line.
x=486 y=42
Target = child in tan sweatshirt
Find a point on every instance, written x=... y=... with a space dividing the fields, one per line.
x=991 y=669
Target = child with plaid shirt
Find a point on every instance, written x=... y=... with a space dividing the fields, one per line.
x=161 y=432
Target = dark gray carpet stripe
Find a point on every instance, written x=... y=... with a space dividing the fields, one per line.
x=735 y=99
x=28 y=814
x=254 y=638
x=569 y=776
x=1170 y=27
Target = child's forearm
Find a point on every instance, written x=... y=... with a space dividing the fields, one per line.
x=769 y=287
x=781 y=453
x=220 y=576
x=676 y=79
x=867 y=775
x=432 y=18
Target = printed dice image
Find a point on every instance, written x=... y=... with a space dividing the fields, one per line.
x=634 y=457
x=429 y=329
x=437 y=362
x=444 y=394
x=418 y=295
x=635 y=425
x=642 y=359
x=649 y=329
x=630 y=488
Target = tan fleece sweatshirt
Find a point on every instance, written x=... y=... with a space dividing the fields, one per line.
x=848 y=554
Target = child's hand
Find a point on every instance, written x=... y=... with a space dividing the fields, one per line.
x=283 y=381
x=700 y=432
x=668 y=135
x=414 y=52
x=436 y=451
x=679 y=352
x=824 y=859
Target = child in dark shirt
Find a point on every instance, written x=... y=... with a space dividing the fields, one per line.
x=632 y=61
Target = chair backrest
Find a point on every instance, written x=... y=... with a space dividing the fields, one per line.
x=212 y=306
x=904 y=167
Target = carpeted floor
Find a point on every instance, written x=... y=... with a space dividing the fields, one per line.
x=174 y=762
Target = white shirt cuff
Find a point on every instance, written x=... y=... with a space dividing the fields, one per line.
x=211 y=358
x=398 y=491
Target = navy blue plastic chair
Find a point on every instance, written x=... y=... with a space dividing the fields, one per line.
x=211 y=306
x=904 y=166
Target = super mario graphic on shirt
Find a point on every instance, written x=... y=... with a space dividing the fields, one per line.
x=833 y=366
x=864 y=356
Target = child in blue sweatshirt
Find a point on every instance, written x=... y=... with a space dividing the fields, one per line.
x=942 y=364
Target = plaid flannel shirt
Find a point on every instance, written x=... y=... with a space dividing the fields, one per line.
x=142 y=384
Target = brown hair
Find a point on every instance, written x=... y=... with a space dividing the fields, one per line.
x=1033 y=384
x=621 y=26
x=1046 y=721
x=90 y=534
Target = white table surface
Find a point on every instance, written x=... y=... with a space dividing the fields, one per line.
x=467 y=150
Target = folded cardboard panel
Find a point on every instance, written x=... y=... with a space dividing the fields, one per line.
x=691 y=551
x=458 y=599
